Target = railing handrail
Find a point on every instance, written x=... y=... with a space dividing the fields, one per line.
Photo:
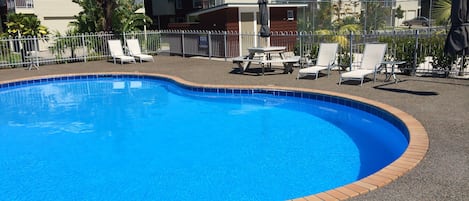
x=211 y=43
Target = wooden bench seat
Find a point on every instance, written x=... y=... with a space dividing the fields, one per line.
x=244 y=62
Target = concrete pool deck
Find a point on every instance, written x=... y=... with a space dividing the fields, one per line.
x=441 y=105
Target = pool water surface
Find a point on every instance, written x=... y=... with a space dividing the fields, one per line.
x=133 y=138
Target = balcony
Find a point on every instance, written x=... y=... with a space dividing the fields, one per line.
x=21 y=3
x=203 y=4
x=21 y=6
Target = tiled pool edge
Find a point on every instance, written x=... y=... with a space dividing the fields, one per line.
x=415 y=152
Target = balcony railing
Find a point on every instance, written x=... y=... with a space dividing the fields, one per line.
x=20 y=4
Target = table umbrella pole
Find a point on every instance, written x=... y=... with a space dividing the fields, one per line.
x=461 y=68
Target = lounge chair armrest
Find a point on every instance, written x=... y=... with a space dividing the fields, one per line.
x=378 y=67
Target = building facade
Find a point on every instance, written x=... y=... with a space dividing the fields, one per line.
x=208 y=14
x=53 y=14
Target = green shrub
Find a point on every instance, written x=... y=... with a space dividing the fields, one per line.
x=403 y=49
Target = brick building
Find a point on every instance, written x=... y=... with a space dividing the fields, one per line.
x=236 y=16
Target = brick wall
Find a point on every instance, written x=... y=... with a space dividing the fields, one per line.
x=279 y=21
x=221 y=20
x=232 y=19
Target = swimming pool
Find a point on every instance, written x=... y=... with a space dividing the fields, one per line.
x=148 y=143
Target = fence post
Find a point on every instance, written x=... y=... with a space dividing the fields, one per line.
x=226 y=45
x=350 y=50
x=182 y=43
x=35 y=48
x=85 y=49
x=126 y=50
x=301 y=45
x=394 y=45
x=160 y=40
x=364 y=37
x=415 y=52
x=209 y=45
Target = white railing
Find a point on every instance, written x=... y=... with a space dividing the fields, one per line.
x=27 y=51
x=21 y=3
x=422 y=50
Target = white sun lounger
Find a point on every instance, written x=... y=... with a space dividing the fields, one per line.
x=325 y=61
x=372 y=59
x=115 y=47
x=135 y=51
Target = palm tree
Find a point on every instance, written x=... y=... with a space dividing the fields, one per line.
x=106 y=15
x=20 y=25
x=442 y=11
x=25 y=25
x=33 y=27
x=125 y=18
x=107 y=7
x=90 y=19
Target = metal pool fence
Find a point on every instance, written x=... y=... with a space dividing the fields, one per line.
x=422 y=50
x=26 y=51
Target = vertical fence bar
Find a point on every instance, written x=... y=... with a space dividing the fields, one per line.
x=124 y=41
x=394 y=45
x=301 y=44
x=226 y=44
x=350 y=50
x=35 y=49
x=209 y=45
x=182 y=44
x=415 y=52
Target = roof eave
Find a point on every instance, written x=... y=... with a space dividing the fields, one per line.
x=242 y=5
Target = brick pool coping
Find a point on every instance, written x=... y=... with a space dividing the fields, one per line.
x=415 y=152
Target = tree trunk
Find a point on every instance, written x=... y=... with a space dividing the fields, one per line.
x=107 y=7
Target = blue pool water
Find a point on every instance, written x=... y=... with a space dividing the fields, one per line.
x=149 y=139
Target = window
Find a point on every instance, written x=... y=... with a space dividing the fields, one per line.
x=180 y=19
x=197 y=3
x=212 y=3
x=290 y=15
x=178 y=4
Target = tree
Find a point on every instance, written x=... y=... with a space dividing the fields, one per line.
x=91 y=19
x=107 y=6
x=25 y=25
x=127 y=19
x=324 y=15
x=337 y=9
x=442 y=12
x=374 y=16
x=399 y=12
x=106 y=15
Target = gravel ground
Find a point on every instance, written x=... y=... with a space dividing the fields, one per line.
x=440 y=104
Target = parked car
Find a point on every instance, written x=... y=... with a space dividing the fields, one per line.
x=417 y=21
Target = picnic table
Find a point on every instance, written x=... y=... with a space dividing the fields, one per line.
x=263 y=56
